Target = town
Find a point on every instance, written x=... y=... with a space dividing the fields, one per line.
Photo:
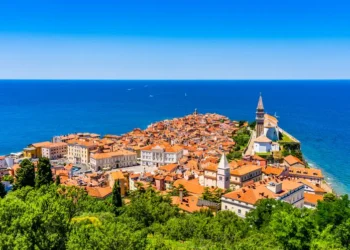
x=201 y=160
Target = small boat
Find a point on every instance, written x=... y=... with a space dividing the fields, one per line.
x=150 y=96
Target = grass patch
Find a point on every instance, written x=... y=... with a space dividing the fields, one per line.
x=285 y=138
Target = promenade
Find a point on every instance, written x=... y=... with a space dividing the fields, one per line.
x=250 y=146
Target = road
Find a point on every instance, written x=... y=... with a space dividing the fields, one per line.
x=251 y=144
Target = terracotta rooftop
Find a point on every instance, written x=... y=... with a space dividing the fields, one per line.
x=211 y=167
x=112 y=154
x=169 y=167
x=188 y=204
x=308 y=172
x=117 y=175
x=259 y=190
x=270 y=170
x=312 y=198
x=41 y=144
x=99 y=192
x=192 y=186
x=245 y=169
x=291 y=160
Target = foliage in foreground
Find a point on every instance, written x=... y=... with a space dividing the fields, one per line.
x=58 y=217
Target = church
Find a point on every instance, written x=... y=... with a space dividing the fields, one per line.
x=267 y=131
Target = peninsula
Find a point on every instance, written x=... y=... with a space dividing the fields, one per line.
x=203 y=160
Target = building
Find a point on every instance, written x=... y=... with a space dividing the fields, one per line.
x=210 y=176
x=262 y=144
x=192 y=186
x=238 y=176
x=6 y=162
x=78 y=151
x=217 y=175
x=311 y=188
x=260 y=117
x=292 y=161
x=118 y=176
x=159 y=155
x=35 y=150
x=311 y=174
x=244 y=175
x=99 y=192
x=189 y=204
x=245 y=199
x=110 y=160
x=223 y=173
x=54 y=150
x=311 y=200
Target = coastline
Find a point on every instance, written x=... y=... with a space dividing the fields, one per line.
x=327 y=185
x=110 y=108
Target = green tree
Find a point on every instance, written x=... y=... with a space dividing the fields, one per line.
x=325 y=240
x=2 y=190
x=175 y=191
x=44 y=173
x=151 y=207
x=294 y=230
x=332 y=211
x=25 y=175
x=261 y=215
x=241 y=123
x=8 y=178
x=329 y=197
x=116 y=196
x=214 y=196
x=252 y=125
x=103 y=231
x=57 y=180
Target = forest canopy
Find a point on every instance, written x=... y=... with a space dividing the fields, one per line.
x=59 y=217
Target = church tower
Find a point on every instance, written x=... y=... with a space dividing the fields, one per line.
x=223 y=173
x=260 y=117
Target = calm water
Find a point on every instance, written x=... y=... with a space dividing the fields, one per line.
x=315 y=112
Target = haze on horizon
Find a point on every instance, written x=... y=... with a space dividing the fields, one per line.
x=174 y=39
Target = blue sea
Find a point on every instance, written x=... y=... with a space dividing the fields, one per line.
x=315 y=112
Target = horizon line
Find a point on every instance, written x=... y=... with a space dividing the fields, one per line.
x=180 y=79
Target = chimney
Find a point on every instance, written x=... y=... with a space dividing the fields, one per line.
x=274 y=187
x=181 y=194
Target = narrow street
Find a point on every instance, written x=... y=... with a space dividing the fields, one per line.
x=251 y=143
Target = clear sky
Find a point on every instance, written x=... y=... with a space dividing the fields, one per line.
x=175 y=39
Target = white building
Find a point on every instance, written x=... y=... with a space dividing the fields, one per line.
x=54 y=150
x=159 y=155
x=244 y=199
x=79 y=151
x=262 y=144
x=117 y=159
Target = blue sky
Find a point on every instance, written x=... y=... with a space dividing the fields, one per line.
x=168 y=39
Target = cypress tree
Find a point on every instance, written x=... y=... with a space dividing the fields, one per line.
x=2 y=190
x=58 y=180
x=116 y=195
x=25 y=175
x=44 y=174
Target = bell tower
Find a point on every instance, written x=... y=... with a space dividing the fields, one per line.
x=223 y=173
x=260 y=117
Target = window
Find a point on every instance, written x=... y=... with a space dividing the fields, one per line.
x=220 y=178
x=239 y=211
x=225 y=207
